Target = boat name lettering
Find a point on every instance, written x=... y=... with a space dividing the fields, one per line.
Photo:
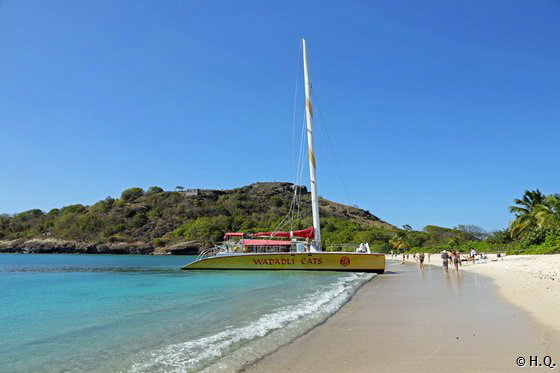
x=312 y=261
x=286 y=261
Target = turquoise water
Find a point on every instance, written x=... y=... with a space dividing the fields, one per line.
x=106 y=313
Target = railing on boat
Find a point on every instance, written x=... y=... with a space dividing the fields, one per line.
x=214 y=250
x=342 y=247
x=235 y=249
x=225 y=249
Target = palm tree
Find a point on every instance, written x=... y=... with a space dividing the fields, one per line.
x=399 y=241
x=525 y=218
x=548 y=213
x=526 y=204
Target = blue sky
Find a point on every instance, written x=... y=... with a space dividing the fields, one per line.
x=440 y=112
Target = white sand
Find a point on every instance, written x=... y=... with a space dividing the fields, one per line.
x=531 y=282
x=423 y=321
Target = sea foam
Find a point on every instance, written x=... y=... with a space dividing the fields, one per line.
x=237 y=346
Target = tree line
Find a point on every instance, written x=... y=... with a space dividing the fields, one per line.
x=535 y=229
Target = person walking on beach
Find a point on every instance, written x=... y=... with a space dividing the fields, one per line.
x=421 y=261
x=429 y=259
x=445 y=259
x=456 y=259
x=473 y=255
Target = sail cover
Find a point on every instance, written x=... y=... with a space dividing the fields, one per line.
x=233 y=234
x=304 y=233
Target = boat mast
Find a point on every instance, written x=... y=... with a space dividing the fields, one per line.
x=312 y=171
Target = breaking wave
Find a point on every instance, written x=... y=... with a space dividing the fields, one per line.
x=237 y=346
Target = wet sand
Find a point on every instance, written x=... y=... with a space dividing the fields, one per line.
x=530 y=282
x=407 y=320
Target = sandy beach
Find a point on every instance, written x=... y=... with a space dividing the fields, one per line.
x=531 y=282
x=429 y=321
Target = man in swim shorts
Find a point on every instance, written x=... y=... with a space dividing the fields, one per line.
x=445 y=258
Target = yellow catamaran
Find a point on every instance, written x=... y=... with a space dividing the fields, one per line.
x=294 y=250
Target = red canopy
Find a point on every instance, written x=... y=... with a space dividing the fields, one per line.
x=248 y=242
x=304 y=233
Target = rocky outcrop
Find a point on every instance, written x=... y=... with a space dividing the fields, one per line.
x=54 y=246
x=181 y=248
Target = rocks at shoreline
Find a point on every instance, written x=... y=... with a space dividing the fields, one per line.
x=55 y=246
x=181 y=248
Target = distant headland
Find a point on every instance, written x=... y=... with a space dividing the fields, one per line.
x=183 y=221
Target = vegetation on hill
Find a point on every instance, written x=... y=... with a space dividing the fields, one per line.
x=185 y=221
x=199 y=217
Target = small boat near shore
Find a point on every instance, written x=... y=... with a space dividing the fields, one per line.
x=293 y=250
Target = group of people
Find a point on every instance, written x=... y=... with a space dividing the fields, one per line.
x=419 y=257
x=451 y=256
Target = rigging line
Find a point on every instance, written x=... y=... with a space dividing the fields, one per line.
x=296 y=197
x=323 y=125
x=294 y=109
x=301 y=160
x=294 y=114
x=288 y=214
x=295 y=203
x=277 y=229
x=296 y=179
x=301 y=165
x=295 y=200
x=299 y=172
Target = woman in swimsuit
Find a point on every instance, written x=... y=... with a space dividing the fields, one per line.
x=456 y=259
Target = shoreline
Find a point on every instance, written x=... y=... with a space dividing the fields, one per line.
x=408 y=320
x=58 y=246
x=530 y=282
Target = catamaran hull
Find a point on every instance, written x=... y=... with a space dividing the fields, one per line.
x=348 y=262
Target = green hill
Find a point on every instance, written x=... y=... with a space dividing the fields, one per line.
x=182 y=221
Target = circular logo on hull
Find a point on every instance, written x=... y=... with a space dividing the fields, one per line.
x=345 y=261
